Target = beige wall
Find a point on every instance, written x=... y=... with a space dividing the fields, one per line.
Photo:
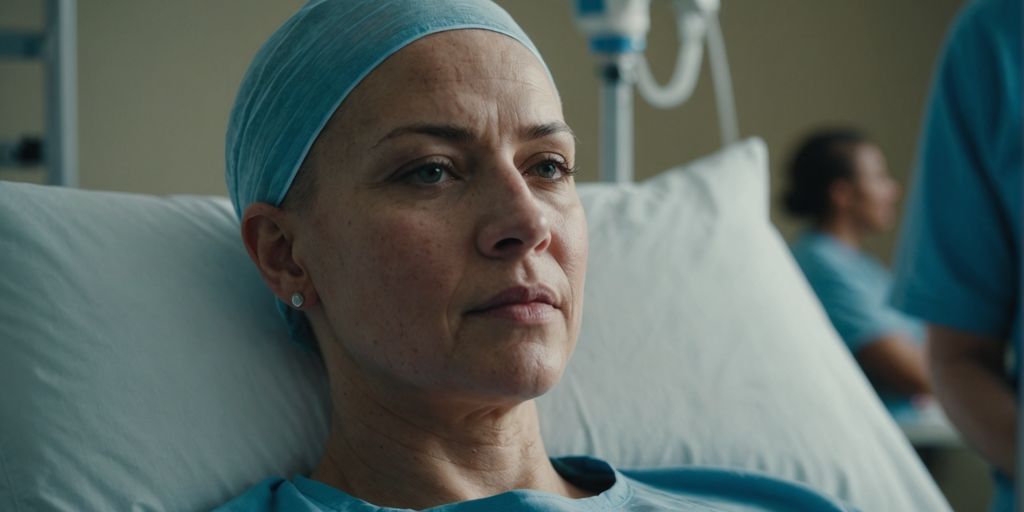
x=157 y=80
x=796 y=64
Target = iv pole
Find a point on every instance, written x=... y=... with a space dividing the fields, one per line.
x=617 y=32
x=616 y=164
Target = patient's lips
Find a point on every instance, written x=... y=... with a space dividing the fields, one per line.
x=521 y=304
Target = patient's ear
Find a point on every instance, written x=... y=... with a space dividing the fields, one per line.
x=842 y=195
x=268 y=237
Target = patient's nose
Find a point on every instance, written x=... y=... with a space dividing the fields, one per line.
x=515 y=222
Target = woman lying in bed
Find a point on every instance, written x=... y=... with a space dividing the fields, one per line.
x=431 y=244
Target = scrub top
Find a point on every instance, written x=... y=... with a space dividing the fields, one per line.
x=959 y=263
x=854 y=289
x=647 y=490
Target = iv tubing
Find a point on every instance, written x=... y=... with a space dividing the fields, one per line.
x=690 y=25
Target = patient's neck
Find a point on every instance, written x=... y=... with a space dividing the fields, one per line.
x=847 y=232
x=392 y=455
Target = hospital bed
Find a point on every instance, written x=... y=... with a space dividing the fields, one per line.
x=145 y=367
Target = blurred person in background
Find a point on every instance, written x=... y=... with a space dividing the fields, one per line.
x=840 y=184
x=959 y=262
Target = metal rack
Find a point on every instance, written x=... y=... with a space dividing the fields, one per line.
x=57 y=148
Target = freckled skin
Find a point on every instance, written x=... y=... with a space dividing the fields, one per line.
x=403 y=235
x=397 y=267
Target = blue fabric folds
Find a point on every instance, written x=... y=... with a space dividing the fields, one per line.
x=305 y=71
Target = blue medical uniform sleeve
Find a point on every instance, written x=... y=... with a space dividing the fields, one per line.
x=958 y=264
x=854 y=310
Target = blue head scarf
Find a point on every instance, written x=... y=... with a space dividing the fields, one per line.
x=306 y=70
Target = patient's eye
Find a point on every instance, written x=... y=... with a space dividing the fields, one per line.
x=548 y=169
x=552 y=169
x=431 y=173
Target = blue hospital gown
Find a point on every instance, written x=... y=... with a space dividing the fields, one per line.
x=959 y=263
x=643 y=490
x=854 y=290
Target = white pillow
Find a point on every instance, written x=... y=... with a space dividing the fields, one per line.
x=702 y=343
x=145 y=366
x=141 y=357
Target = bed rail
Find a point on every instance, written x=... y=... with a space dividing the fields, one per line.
x=55 y=46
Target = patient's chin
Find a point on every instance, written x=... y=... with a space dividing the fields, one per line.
x=521 y=375
x=520 y=362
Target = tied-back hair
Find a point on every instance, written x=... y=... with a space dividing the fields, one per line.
x=824 y=157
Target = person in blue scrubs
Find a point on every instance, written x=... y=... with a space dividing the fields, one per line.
x=840 y=185
x=959 y=263
x=404 y=178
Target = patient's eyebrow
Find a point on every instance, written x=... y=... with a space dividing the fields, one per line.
x=455 y=133
x=448 y=132
x=545 y=129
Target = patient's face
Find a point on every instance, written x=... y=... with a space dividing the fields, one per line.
x=446 y=242
x=877 y=192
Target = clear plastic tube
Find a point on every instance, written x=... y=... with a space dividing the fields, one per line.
x=694 y=24
x=691 y=28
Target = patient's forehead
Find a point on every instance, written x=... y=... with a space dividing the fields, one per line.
x=431 y=76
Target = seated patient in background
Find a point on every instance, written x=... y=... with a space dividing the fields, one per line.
x=404 y=178
x=840 y=184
